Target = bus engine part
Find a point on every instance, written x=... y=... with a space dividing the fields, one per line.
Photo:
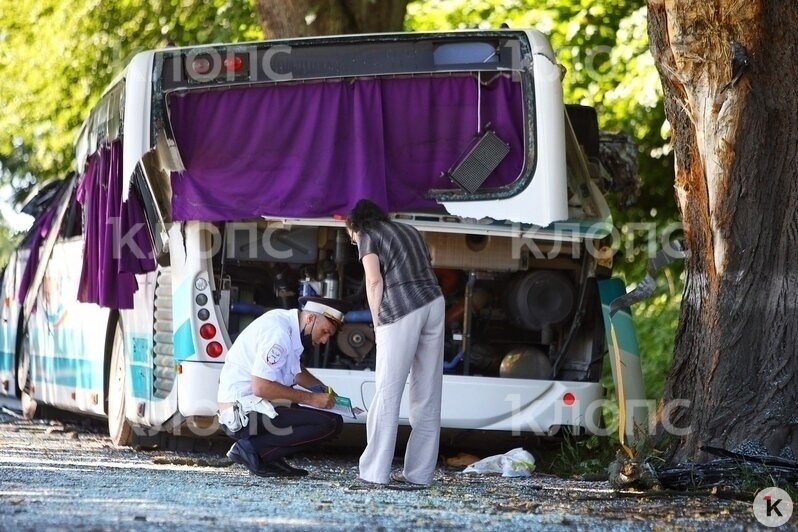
x=525 y=362
x=356 y=340
x=540 y=298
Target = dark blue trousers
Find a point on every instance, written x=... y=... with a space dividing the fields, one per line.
x=295 y=428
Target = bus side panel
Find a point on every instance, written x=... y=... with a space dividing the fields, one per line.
x=192 y=275
x=9 y=319
x=66 y=338
x=139 y=342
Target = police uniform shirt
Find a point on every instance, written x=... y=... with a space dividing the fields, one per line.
x=269 y=348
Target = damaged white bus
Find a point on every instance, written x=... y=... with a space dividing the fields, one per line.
x=212 y=184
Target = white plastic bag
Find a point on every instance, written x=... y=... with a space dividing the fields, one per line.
x=515 y=463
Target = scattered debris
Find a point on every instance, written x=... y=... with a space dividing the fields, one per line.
x=514 y=463
x=461 y=460
x=735 y=470
x=191 y=461
x=631 y=473
x=44 y=475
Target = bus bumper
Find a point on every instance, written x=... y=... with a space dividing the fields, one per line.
x=491 y=403
x=197 y=385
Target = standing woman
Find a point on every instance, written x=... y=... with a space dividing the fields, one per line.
x=407 y=309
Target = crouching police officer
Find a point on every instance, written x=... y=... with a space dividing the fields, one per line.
x=258 y=405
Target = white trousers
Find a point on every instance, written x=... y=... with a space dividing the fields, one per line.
x=412 y=345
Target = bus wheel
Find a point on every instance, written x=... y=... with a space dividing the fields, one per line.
x=24 y=384
x=119 y=427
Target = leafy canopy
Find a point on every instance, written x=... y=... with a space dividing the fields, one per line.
x=57 y=57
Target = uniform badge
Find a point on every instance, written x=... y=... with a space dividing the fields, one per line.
x=274 y=354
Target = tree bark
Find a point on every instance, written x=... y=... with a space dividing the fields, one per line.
x=303 y=18
x=736 y=145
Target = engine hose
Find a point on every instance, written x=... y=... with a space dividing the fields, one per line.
x=454 y=361
x=580 y=313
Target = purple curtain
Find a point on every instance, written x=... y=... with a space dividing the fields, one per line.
x=315 y=149
x=40 y=230
x=116 y=240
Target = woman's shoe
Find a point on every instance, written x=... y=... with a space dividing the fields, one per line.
x=403 y=484
x=362 y=485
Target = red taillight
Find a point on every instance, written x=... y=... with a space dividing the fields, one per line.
x=568 y=398
x=233 y=64
x=214 y=349
x=208 y=331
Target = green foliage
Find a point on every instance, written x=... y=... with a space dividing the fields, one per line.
x=579 y=456
x=656 y=321
x=56 y=58
x=8 y=241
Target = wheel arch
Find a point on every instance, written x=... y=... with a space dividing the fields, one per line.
x=22 y=329
x=110 y=332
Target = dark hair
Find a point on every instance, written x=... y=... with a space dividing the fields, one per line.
x=365 y=216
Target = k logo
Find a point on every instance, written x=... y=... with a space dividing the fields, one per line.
x=772 y=507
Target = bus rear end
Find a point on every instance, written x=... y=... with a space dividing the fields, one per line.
x=262 y=149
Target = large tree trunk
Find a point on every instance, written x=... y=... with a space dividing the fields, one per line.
x=302 y=18
x=736 y=147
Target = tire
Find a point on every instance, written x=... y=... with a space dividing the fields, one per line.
x=18 y=354
x=584 y=121
x=119 y=428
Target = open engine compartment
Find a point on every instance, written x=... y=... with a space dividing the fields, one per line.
x=509 y=313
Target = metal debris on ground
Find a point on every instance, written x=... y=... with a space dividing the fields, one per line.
x=733 y=470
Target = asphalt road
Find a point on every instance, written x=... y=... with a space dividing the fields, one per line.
x=56 y=476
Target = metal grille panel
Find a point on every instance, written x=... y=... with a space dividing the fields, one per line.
x=482 y=159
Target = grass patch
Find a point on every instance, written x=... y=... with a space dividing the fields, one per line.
x=578 y=456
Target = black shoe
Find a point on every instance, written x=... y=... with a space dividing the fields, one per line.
x=281 y=463
x=278 y=468
x=242 y=453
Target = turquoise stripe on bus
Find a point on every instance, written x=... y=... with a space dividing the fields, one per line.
x=184 y=342
x=6 y=362
x=610 y=289
x=181 y=311
x=140 y=380
x=87 y=375
x=139 y=367
x=68 y=372
x=578 y=228
x=140 y=350
x=182 y=301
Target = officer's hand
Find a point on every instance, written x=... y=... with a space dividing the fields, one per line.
x=323 y=400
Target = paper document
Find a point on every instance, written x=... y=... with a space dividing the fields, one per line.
x=342 y=406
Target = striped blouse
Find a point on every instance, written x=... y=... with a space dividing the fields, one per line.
x=408 y=280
